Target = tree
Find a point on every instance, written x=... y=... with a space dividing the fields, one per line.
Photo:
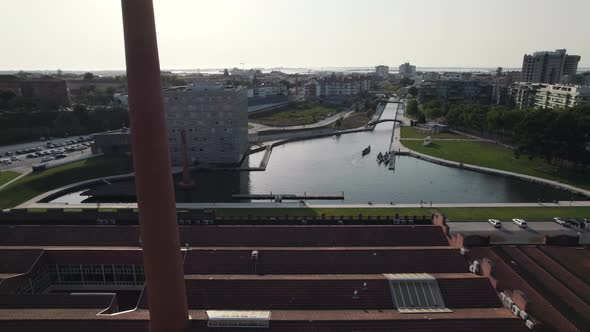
x=88 y=76
x=421 y=118
x=338 y=123
x=225 y=72
x=412 y=107
x=413 y=91
x=406 y=81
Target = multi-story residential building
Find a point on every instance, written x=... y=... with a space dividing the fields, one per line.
x=449 y=91
x=45 y=93
x=337 y=88
x=407 y=70
x=382 y=71
x=214 y=120
x=548 y=96
x=430 y=76
x=523 y=94
x=562 y=96
x=265 y=90
x=549 y=67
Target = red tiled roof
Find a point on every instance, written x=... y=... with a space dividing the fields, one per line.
x=231 y=236
x=55 y=301
x=17 y=261
x=323 y=292
x=575 y=260
x=509 y=279
x=326 y=261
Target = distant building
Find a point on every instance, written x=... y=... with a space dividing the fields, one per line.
x=430 y=76
x=562 y=96
x=407 y=70
x=214 y=120
x=265 y=90
x=336 y=88
x=114 y=142
x=449 y=91
x=548 y=96
x=75 y=85
x=45 y=93
x=121 y=100
x=549 y=67
x=382 y=71
x=523 y=94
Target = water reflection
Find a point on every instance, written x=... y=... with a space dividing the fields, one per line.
x=333 y=165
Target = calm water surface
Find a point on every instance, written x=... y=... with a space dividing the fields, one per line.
x=334 y=165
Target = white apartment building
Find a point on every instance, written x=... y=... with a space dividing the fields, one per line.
x=337 y=87
x=562 y=96
x=265 y=90
x=214 y=120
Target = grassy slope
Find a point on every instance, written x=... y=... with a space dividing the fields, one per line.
x=37 y=183
x=413 y=132
x=6 y=176
x=498 y=157
x=296 y=116
x=355 y=120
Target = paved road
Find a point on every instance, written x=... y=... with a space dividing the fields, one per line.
x=511 y=233
x=324 y=122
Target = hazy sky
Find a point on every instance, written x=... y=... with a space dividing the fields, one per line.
x=88 y=34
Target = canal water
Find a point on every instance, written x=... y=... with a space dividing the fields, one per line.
x=335 y=165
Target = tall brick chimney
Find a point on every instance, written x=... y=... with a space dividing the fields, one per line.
x=153 y=175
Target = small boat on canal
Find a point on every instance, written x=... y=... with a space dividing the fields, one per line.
x=367 y=150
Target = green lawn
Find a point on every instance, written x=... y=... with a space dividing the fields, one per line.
x=496 y=156
x=35 y=184
x=413 y=132
x=310 y=212
x=297 y=114
x=507 y=213
x=355 y=120
x=6 y=176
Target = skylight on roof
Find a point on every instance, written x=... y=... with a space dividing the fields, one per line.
x=416 y=293
x=238 y=318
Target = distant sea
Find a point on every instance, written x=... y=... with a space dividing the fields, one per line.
x=287 y=70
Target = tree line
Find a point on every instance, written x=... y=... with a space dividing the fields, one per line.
x=21 y=127
x=560 y=136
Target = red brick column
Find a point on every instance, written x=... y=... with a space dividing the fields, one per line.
x=153 y=175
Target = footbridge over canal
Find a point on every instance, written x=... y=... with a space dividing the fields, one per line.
x=374 y=123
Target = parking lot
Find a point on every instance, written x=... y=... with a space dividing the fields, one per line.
x=44 y=152
x=511 y=233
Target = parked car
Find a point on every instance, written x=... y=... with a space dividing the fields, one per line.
x=14 y=158
x=520 y=222
x=5 y=162
x=575 y=223
x=60 y=156
x=495 y=222
x=46 y=159
x=30 y=156
x=8 y=154
x=560 y=221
